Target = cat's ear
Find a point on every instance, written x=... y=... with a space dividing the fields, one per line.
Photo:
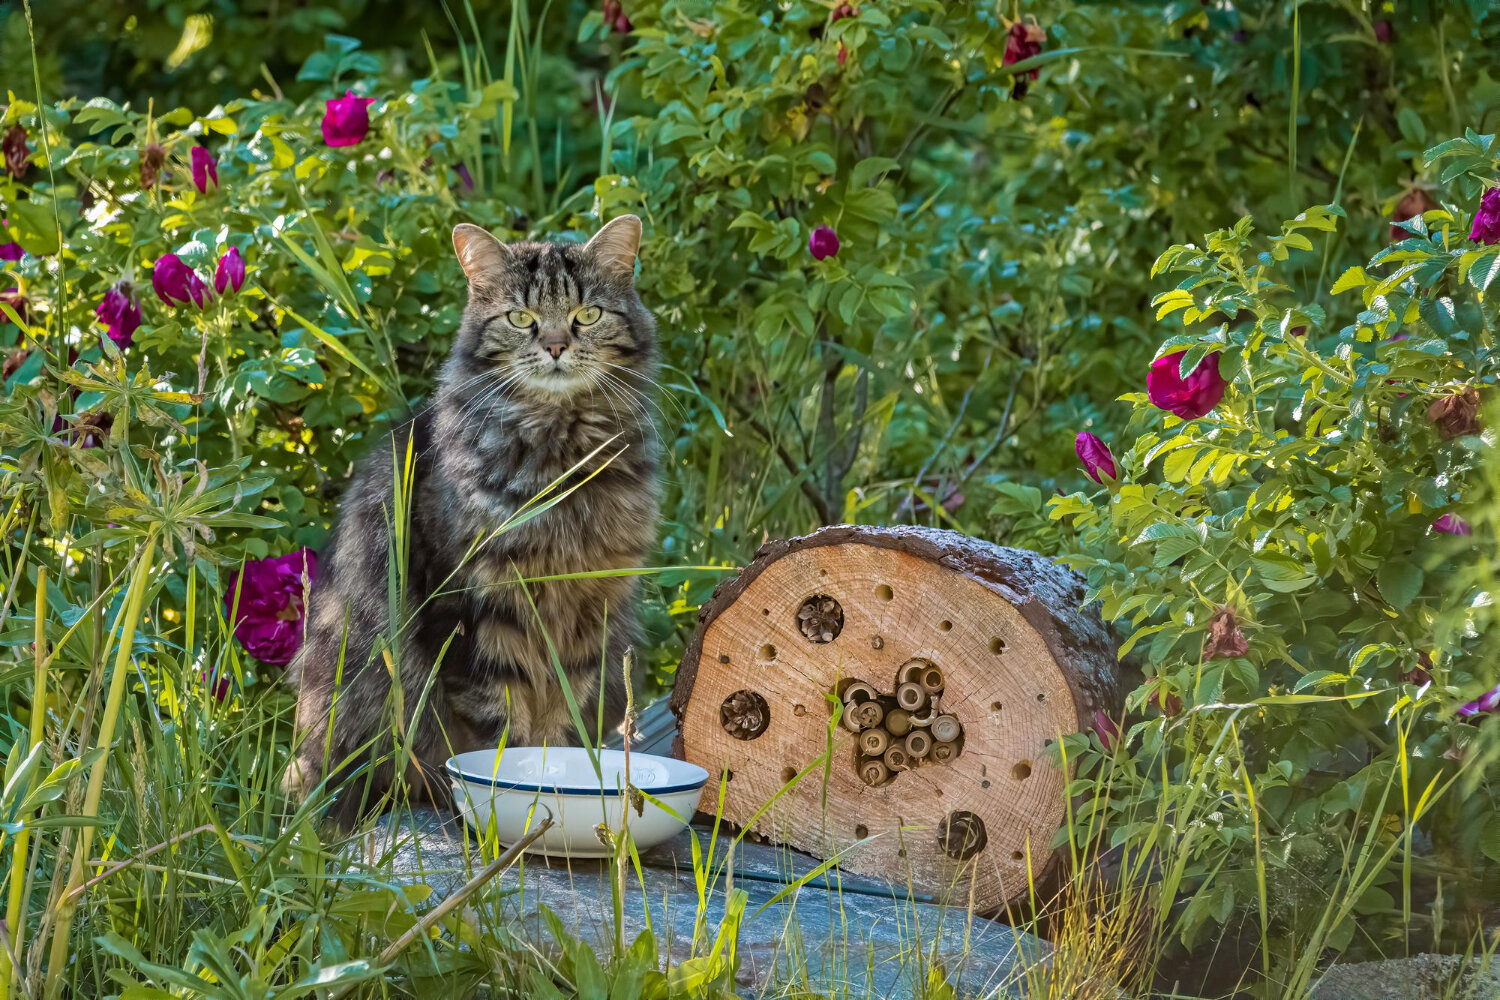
x=615 y=245
x=480 y=255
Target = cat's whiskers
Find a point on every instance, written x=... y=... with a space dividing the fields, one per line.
x=665 y=393
x=608 y=384
x=504 y=376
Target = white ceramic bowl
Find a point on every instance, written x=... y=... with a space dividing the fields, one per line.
x=521 y=785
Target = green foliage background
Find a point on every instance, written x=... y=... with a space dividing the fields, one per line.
x=993 y=295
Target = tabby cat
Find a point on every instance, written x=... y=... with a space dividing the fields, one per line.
x=546 y=381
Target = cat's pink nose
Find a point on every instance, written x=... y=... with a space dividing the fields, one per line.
x=556 y=350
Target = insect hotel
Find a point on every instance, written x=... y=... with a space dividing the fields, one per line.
x=903 y=685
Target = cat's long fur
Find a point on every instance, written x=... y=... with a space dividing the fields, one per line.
x=514 y=410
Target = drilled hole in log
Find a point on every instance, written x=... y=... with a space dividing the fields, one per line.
x=799 y=710
x=723 y=657
x=1022 y=770
x=995 y=706
x=768 y=652
x=961 y=835
x=861 y=831
x=1017 y=856
x=997 y=646
x=1041 y=697
x=787 y=774
x=884 y=592
x=820 y=618
x=876 y=642
x=745 y=715
x=945 y=625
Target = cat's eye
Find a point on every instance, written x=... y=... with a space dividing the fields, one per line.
x=587 y=316
x=521 y=318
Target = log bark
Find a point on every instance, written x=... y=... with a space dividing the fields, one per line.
x=1020 y=661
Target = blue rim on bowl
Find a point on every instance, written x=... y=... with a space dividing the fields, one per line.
x=470 y=777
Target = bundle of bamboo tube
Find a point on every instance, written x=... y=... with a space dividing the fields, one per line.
x=906 y=729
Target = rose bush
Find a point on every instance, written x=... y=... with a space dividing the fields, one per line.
x=1287 y=554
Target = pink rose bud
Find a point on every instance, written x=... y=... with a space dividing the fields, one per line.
x=823 y=243
x=1384 y=33
x=843 y=55
x=205 y=169
x=1452 y=524
x=176 y=284
x=1191 y=397
x=231 y=271
x=1108 y=732
x=120 y=314
x=347 y=120
x=1095 y=456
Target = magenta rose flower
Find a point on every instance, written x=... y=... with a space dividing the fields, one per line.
x=268 y=621
x=347 y=120
x=176 y=284
x=1452 y=524
x=1487 y=219
x=9 y=251
x=1189 y=397
x=205 y=169
x=824 y=242
x=231 y=271
x=1095 y=456
x=120 y=314
x=1486 y=704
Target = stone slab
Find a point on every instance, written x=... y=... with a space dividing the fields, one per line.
x=852 y=937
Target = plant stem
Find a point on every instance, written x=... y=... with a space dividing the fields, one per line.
x=19 y=874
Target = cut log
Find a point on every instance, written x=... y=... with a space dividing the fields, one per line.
x=953 y=664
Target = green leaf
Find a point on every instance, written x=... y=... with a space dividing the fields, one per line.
x=1400 y=581
x=34 y=226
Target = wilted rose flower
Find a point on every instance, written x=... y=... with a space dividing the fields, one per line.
x=176 y=283
x=1412 y=204
x=1421 y=673
x=1191 y=397
x=231 y=271
x=1225 y=640
x=153 y=154
x=1384 y=33
x=268 y=622
x=1486 y=704
x=824 y=242
x=1107 y=730
x=16 y=150
x=16 y=301
x=13 y=362
x=1024 y=41
x=347 y=119
x=1452 y=524
x=1095 y=456
x=1456 y=414
x=205 y=169
x=1487 y=219
x=1169 y=705
x=120 y=314
x=842 y=11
